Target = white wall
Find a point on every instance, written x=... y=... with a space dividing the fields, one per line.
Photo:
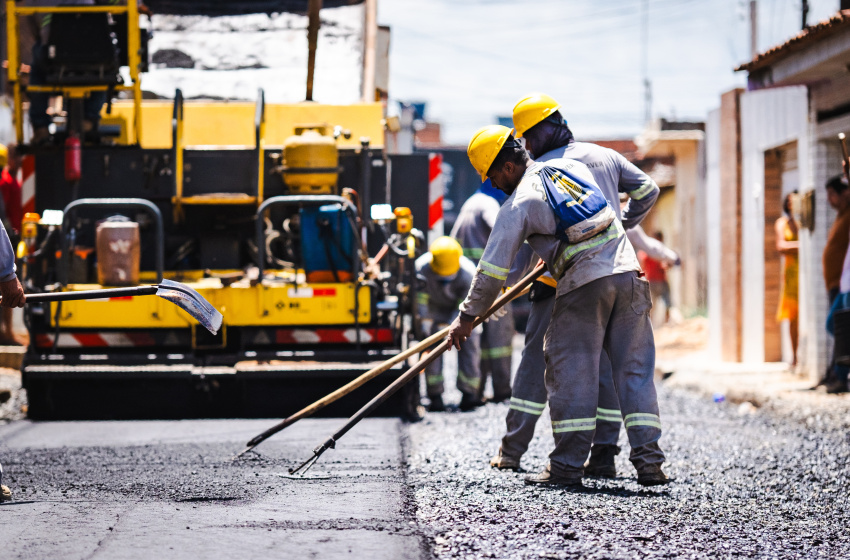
x=826 y=157
x=712 y=213
x=769 y=119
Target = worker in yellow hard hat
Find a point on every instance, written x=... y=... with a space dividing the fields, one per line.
x=444 y=277
x=472 y=227
x=537 y=117
x=560 y=211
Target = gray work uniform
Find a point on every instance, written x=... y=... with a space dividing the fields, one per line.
x=600 y=299
x=529 y=387
x=613 y=174
x=438 y=304
x=472 y=229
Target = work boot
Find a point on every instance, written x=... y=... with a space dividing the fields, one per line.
x=499 y=398
x=652 y=476
x=836 y=386
x=546 y=478
x=436 y=404
x=469 y=402
x=601 y=463
x=503 y=462
x=5 y=494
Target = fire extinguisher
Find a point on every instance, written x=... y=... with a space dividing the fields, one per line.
x=73 y=158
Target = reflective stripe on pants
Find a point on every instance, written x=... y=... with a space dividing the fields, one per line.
x=496 y=353
x=610 y=313
x=529 y=390
x=468 y=360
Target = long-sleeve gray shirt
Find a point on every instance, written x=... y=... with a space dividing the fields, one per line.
x=614 y=174
x=7 y=256
x=526 y=216
x=651 y=246
x=440 y=293
x=473 y=225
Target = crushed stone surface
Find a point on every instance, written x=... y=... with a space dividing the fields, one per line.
x=750 y=483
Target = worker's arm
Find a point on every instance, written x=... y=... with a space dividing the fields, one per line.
x=782 y=245
x=508 y=235
x=10 y=288
x=642 y=191
x=653 y=248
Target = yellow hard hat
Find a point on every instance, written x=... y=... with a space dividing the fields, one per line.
x=4 y=155
x=445 y=256
x=532 y=109
x=485 y=146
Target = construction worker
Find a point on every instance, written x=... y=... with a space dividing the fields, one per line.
x=13 y=296
x=11 y=214
x=472 y=228
x=601 y=302
x=537 y=117
x=446 y=275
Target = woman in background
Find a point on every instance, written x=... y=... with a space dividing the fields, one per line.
x=787 y=244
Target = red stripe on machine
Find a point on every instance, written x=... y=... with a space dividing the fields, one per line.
x=28 y=183
x=435 y=166
x=332 y=336
x=435 y=212
x=324 y=292
x=90 y=339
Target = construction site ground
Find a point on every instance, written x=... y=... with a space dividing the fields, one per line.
x=760 y=474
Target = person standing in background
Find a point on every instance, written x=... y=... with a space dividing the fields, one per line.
x=12 y=294
x=12 y=214
x=655 y=270
x=10 y=188
x=838 y=195
x=787 y=235
x=472 y=229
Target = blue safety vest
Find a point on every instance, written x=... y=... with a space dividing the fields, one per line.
x=581 y=210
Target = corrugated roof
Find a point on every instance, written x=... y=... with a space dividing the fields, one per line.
x=805 y=37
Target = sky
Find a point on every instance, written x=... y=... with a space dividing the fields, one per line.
x=471 y=60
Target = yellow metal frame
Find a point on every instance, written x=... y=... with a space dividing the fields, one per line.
x=177 y=141
x=231 y=123
x=277 y=305
x=13 y=11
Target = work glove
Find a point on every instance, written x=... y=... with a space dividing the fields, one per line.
x=497 y=314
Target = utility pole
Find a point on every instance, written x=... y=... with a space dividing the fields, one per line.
x=754 y=39
x=313 y=23
x=805 y=13
x=647 y=85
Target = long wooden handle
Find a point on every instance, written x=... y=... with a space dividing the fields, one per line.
x=359 y=381
x=422 y=364
x=368 y=376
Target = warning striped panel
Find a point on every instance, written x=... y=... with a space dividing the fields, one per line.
x=324 y=336
x=112 y=339
x=436 y=190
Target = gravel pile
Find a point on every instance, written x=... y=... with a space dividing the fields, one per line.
x=749 y=483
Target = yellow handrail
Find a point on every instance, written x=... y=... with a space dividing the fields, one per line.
x=13 y=11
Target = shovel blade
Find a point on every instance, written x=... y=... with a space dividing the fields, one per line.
x=192 y=303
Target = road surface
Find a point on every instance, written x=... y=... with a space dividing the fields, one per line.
x=751 y=483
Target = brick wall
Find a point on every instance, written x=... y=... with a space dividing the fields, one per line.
x=729 y=275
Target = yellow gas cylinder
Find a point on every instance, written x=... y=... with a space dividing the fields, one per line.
x=310 y=162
